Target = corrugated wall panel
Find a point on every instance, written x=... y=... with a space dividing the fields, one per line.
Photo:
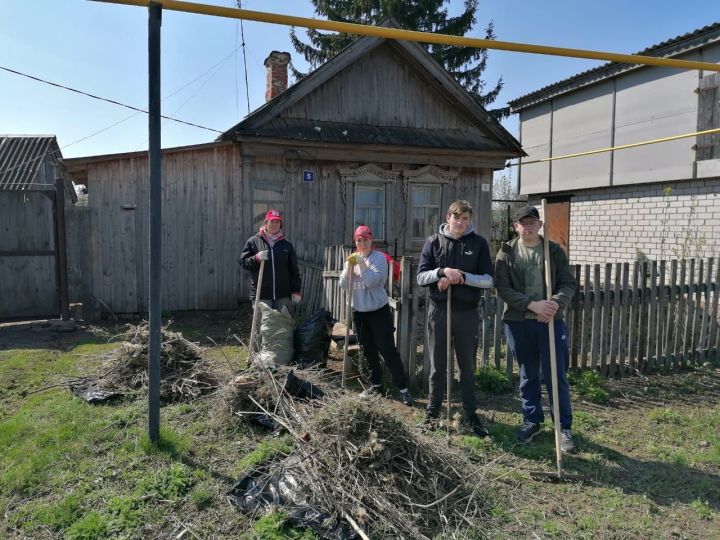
x=582 y=121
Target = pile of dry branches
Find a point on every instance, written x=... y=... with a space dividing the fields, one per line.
x=184 y=372
x=355 y=460
x=262 y=391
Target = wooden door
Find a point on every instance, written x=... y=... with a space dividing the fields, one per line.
x=557 y=223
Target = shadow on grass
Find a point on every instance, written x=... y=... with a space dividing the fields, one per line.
x=665 y=483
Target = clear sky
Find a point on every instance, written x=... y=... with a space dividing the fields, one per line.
x=102 y=49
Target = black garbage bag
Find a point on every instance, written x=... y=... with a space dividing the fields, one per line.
x=301 y=389
x=94 y=395
x=262 y=490
x=312 y=339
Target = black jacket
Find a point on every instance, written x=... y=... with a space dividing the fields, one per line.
x=469 y=254
x=281 y=276
x=511 y=285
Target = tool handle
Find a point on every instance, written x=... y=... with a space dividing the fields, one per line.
x=348 y=319
x=253 y=332
x=553 y=353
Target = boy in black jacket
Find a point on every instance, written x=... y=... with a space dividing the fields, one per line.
x=455 y=256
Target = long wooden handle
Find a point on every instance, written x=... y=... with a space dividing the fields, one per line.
x=449 y=364
x=553 y=354
x=348 y=318
x=253 y=333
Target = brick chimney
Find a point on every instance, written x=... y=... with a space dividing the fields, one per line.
x=277 y=73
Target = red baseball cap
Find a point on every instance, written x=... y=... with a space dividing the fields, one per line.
x=273 y=214
x=363 y=231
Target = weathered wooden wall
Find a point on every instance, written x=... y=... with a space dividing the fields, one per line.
x=27 y=278
x=200 y=234
x=208 y=216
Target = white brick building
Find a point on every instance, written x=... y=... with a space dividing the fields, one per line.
x=657 y=201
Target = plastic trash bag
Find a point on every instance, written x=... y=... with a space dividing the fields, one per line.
x=261 y=491
x=301 y=389
x=94 y=395
x=312 y=339
x=276 y=334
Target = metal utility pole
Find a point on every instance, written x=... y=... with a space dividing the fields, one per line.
x=154 y=24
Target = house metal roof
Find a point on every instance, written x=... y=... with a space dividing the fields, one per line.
x=21 y=157
x=340 y=132
x=671 y=47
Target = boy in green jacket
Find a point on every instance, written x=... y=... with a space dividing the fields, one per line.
x=519 y=279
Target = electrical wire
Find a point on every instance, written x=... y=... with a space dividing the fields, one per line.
x=619 y=147
x=105 y=99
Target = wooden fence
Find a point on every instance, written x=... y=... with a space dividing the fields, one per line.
x=624 y=317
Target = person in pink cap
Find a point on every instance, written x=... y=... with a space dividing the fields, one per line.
x=281 y=276
x=372 y=319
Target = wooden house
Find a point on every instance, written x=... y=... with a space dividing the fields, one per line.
x=656 y=201
x=381 y=135
x=35 y=194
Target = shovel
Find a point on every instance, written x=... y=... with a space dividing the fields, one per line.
x=253 y=333
x=560 y=475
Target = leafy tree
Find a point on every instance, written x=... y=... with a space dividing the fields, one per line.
x=465 y=64
x=506 y=201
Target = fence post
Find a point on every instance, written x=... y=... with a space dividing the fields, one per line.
x=405 y=317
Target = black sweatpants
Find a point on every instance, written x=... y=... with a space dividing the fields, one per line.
x=375 y=334
x=465 y=339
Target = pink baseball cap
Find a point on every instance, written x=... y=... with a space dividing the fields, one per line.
x=363 y=231
x=273 y=214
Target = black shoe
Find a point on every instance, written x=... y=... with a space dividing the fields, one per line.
x=407 y=399
x=528 y=430
x=472 y=422
x=431 y=417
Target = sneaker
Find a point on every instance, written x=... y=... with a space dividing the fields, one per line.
x=370 y=392
x=528 y=430
x=406 y=398
x=473 y=423
x=566 y=440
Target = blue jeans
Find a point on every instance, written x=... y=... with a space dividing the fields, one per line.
x=529 y=342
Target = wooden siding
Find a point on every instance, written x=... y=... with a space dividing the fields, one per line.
x=207 y=217
x=200 y=235
x=27 y=282
x=392 y=95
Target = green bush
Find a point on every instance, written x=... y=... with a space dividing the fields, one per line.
x=493 y=380
x=590 y=385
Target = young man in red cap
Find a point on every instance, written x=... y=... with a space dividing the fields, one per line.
x=460 y=257
x=281 y=276
x=520 y=282
x=371 y=314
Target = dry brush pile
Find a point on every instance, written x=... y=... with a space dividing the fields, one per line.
x=360 y=463
x=185 y=373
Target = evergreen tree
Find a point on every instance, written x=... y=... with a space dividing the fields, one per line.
x=465 y=64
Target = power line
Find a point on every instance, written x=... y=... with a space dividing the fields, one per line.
x=105 y=99
x=242 y=36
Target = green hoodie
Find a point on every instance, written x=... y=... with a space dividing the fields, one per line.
x=511 y=286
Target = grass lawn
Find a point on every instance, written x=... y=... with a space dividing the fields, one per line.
x=650 y=446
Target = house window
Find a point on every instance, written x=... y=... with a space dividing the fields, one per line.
x=425 y=208
x=265 y=196
x=370 y=208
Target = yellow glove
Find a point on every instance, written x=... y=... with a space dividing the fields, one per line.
x=354 y=258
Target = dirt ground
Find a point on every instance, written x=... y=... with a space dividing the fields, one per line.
x=651 y=455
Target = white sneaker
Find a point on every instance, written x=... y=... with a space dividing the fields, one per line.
x=566 y=441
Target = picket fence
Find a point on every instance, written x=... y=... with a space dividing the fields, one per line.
x=625 y=318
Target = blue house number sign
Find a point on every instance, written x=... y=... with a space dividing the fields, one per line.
x=308 y=176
